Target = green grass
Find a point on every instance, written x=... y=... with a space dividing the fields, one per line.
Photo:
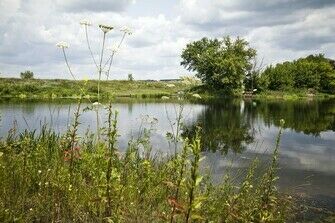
x=47 y=89
x=208 y=93
x=48 y=177
x=62 y=89
x=292 y=95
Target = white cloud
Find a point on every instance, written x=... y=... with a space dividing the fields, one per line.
x=279 y=30
x=93 y=5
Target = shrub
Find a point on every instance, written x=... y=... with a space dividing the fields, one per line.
x=27 y=75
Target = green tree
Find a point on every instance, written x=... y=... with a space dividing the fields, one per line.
x=219 y=63
x=314 y=71
x=27 y=74
x=130 y=77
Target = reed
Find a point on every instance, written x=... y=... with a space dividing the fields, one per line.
x=94 y=181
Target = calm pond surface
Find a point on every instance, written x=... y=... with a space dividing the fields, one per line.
x=233 y=131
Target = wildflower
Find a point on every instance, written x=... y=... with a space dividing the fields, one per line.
x=174 y=203
x=30 y=209
x=105 y=28
x=39 y=171
x=85 y=22
x=76 y=151
x=165 y=98
x=67 y=155
x=126 y=30
x=170 y=85
x=113 y=48
x=282 y=122
x=70 y=187
x=96 y=105
x=62 y=45
x=196 y=96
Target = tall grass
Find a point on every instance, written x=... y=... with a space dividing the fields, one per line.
x=48 y=177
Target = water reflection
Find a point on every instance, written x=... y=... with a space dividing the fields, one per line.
x=310 y=117
x=234 y=124
x=233 y=132
x=224 y=126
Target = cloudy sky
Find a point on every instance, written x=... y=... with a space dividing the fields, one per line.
x=279 y=30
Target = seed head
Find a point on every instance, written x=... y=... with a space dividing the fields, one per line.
x=105 y=28
x=85 y=22
x=126 y=30
x=62 y=45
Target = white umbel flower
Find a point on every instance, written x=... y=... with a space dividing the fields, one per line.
x=85 y=22
x=62 y=45
x=96 y=105
x=126 y=30
x=113 y=48
x=105 y=28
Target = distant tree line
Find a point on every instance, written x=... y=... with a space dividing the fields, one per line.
x=230 y=65
x=312 y=72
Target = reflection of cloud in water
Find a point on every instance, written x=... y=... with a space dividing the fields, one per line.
x=293 y=177
x=297 y=150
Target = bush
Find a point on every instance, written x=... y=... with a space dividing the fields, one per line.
x=27 y=75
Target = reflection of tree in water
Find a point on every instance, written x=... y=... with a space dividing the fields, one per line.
x=27 y=108
x=230 y=125
x=309 y=117
x=130 y=108
x=224 y=127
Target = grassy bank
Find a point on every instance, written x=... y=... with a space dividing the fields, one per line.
x=69 y=89
x=67 y=178
x=47 y=89
x=207 y=92
x=292 y=95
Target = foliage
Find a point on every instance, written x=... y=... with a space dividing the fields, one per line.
x=253 y=75
x=130 y=77
x=44 y=89
x=220 y=63
x=190 y=80
x=48 y=177
x=27 y=75
x=314 y=72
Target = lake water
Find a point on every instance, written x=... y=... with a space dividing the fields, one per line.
x=233 y=131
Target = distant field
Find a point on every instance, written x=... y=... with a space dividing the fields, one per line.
x=37 y=88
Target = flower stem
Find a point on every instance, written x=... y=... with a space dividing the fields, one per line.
x=89 y=47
